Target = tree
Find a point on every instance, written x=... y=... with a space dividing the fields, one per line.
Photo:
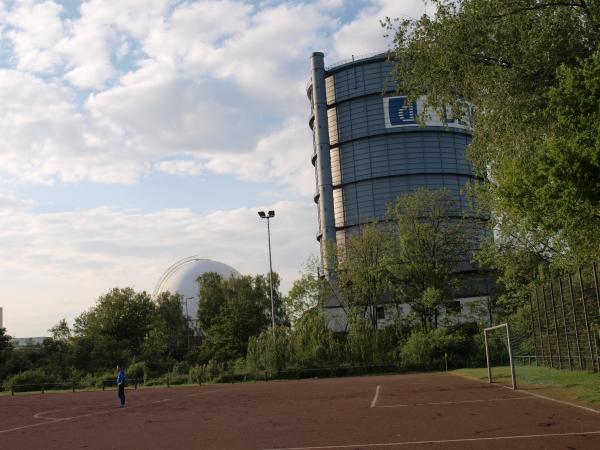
x=361 y=265
x=512 y=61
x=211 y=293
x=168 y=335
x=6 y=350
x=431 y=243
x=61 y=331
x=306 y=293
x=244 y=311
x=114 y=329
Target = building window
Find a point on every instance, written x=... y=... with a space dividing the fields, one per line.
x=380 y=312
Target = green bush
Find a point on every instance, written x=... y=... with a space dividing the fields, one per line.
x=425 y=350
x=137 y=370
x=31 y=380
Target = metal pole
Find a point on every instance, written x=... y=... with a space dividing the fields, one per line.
x=512 y=364
x=271 y=277
x=562 y=307
x=585 y=317
x=555 y=325
x=575 y=321
x=487 y=356
x=596 y=286
x=598 y=307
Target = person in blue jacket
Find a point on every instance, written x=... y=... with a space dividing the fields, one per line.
x=121 y=385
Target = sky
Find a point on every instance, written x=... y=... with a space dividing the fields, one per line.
x=135 y=133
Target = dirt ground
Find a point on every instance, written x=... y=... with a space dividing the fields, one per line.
x=432 y=411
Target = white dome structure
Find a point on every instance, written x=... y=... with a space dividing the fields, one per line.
x=181 y=278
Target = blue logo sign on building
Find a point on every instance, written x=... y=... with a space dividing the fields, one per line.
x=399 y=113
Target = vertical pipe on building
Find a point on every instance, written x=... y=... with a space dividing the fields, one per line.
x=321 y=134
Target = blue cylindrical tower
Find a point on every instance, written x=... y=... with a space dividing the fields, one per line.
x=369 y=148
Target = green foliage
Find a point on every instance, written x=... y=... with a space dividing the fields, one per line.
x=530 y=70
x=307 y=292
x=244 y=312
x=312 y=343
x=137 y=370
x=61 y=331
x=360 y=343
x=116 y=327
x=431 y=240
x=6 y=350
x=212 y=293
x=269 y=350
x=362 y=269
x=19 y=381
x=426 y=349
x=167 y=338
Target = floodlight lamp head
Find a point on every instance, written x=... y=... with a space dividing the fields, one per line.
x=262 y=214
x=271 y=213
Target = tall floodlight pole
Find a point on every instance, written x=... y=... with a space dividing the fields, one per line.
x=270 y=215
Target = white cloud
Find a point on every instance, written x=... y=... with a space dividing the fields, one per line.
x=364 y=35
x=180 y=167
x=36 y=29
x=46 y=137
x=282 y=157
x=59 y=263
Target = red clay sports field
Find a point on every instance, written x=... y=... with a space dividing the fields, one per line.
x=416 y=411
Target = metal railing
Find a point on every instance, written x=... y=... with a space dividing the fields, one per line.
x=565 y=319
x=68 y=385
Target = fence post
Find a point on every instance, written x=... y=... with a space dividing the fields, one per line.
x=585 y=316
x=537 y=302
x=562 y=307
x=535 y=344
x=547 y=326
x=510 y=357
x=575 y=322
x=598 y=307
x=487 y=355
x=555 y=325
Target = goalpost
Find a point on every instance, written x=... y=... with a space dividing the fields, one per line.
x=510 y=358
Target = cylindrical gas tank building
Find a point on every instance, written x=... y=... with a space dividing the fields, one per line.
x=369 y=148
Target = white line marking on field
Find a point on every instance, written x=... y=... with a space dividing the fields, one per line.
x=457 y=402
x=41 y=415
x=374 y=402
x=51 y=420
x=441 y=441
x=562 y=402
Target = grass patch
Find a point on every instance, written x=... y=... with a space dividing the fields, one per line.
x=575 y=386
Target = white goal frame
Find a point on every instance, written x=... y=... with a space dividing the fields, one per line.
x=487 y=353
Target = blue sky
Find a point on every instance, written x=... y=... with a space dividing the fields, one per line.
x=138 y=132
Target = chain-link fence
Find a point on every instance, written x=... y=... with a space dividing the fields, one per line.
x=565 y=319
